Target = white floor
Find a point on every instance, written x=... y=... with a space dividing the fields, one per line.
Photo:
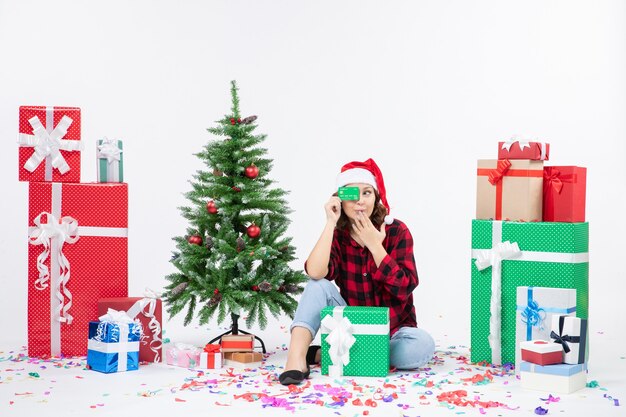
x=31 y=387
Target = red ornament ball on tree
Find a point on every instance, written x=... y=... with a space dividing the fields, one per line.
x=195 y=240
x=253 y=231
x=255 y=288
x=252 y=171
x=211 y=207
x=216 y=291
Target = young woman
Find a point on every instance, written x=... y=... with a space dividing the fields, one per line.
x=369 y=255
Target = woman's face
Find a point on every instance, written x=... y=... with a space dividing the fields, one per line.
x=364 y=205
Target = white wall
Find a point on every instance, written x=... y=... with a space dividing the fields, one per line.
x=424 y=87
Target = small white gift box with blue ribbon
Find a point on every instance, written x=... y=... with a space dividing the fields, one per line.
x=113 y=344
x=535 y=308
x=562 y=378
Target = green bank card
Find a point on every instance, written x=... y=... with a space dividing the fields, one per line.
x=349 y=193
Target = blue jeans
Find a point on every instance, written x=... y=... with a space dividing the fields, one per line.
x=409 y=347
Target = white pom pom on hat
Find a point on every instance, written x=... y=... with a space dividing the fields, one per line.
x=366 y=172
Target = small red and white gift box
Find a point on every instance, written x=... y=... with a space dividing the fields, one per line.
x=541 y=352
x=49 y=140
x=211 y=357
x=519 y=149
x=238 y=343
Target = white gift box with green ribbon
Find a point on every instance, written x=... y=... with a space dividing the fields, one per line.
x=110 y=160
x=355 y=341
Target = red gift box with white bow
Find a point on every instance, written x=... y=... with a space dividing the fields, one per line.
x=519 y=149
x=149 y=311
x=49 y=144
x=78 y=254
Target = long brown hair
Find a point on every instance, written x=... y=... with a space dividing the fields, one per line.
x=377 y=217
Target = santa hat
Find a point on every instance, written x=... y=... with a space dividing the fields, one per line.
x=366 y=172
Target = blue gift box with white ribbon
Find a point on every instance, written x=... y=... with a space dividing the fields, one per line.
x=113 y=346
x=535 y=308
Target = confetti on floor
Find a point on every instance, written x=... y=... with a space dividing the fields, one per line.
x=450 y=384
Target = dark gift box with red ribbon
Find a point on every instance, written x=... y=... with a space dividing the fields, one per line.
x=509 y=190
x=564 y=194
x=49 y=140
x=148 y=310
x=78 y=254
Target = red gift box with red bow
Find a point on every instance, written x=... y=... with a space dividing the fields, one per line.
x=564 y=194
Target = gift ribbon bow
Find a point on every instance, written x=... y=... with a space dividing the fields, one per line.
x=533 y=315
x=563 y=339
x=495 y=175
x=552 y=180
x=109 y=149
x=494 y=258
x=119 y=322
x=150 y=300
x=210 y=348
x=556 y=179
x=48 y=144
x=340 y=338
x=53 y=234
x=503 y=250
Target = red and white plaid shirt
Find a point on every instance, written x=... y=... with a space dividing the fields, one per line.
x=361 y=283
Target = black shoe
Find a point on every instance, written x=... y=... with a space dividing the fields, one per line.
x=294 y=377
x=310 y=354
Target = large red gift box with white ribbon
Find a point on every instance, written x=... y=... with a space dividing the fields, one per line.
x=148 y=310
x=49 y=144
x=78 y=254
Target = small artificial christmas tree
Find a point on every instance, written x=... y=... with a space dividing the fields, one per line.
x=234 y=257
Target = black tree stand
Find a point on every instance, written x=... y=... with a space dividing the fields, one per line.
x=235 y=330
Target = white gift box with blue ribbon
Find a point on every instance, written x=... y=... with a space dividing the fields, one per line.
x=562 y=378
x=535 y=308
x=113 y=344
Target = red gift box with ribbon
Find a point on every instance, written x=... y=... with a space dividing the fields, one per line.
x=237 y=343
x=564 y=194
x=517 y=149
x=509 y=190
x=149 y=311
x=78 y=254
x=49 y=141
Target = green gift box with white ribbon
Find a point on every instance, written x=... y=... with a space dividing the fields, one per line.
x=355 y=341
x=110 y=160
x=507 y=255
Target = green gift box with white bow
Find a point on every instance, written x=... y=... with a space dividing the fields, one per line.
x=507 y=255
x=110 y=157
x=355 y=341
